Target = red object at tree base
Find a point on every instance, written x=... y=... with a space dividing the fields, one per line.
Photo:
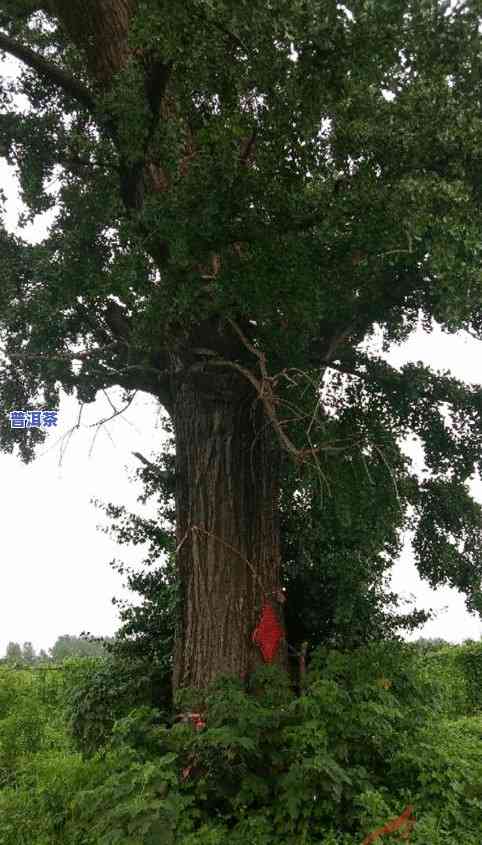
x=268 y=634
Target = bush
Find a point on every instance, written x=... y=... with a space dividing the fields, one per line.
x=366 y=739
x=98 y=691
x=458 y=672
x=328 y=767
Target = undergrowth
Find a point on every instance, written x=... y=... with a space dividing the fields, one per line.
x=372 y=733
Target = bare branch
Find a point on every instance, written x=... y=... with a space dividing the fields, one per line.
x=109 y=400
x=264 y=390
x=117 y=413
x=91 y=447
x=65 y=439
x=98 y=425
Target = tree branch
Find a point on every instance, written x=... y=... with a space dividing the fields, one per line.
x=231 y=36
x=58 y=356
x=163 y=475
x=325 y=347
x=264 y=389
x=117 y=412
x=115 y=316
x=49 y=71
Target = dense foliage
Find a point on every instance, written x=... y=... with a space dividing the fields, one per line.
x=309 y=171
x=374 y=732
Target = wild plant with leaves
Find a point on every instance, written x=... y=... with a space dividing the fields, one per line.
x=372 y=735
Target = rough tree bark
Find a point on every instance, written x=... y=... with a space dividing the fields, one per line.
x=100 y=28
x=227 y=470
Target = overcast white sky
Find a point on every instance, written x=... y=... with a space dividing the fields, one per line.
x=54 y=573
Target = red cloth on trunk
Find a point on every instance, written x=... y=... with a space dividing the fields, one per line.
x=268 y=634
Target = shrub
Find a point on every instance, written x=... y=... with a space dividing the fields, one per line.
x=458 y=672
x=98 y=691
x=366 y=738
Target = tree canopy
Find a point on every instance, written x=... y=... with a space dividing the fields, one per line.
x=244 y=195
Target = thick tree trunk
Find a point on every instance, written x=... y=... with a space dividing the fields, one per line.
x=227 y=532
x=100 y=28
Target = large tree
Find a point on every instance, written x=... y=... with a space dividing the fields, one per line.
x=336 y=555
x=243 y=194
